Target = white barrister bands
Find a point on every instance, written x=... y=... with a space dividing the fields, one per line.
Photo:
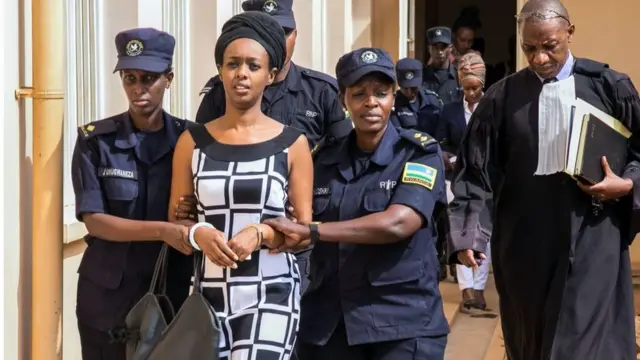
x=192 y=232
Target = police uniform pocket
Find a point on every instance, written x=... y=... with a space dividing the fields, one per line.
x=121 y=195
x=320 y=205
x=399 y=295
x=404 y=271
x=376 y=200
x=104 y=263
x=120 y=189
x=321 y=201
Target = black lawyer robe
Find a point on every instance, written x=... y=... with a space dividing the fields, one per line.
x=562 y=272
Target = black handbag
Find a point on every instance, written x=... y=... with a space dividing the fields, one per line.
x=146 y=321
x=194 y=333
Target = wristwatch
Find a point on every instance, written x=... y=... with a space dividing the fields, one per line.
x=313 y=232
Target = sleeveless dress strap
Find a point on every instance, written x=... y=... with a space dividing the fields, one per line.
x=201 y=136
x=288 y=137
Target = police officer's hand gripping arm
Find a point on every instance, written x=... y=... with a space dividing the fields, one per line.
x=411 y=206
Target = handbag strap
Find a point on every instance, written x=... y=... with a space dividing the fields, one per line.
x=159 y=280
x=198 y=271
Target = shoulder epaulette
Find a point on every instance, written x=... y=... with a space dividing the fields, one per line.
x=210 y=84
x=320 y=76
x=418 y=138
x=96 y=128
x=589 y=68
x=431 y=92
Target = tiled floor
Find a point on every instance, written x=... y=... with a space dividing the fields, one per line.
x=480 y=338
x=470 y=337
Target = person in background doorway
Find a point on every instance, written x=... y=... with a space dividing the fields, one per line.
x=560 y=249
x=121 y=171
x=451 y=127
x=465 y=29
x=463 y=36
x=455 y=116
x=415 y=107
x=440 y=75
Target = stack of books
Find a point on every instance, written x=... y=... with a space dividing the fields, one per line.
x=592 y=135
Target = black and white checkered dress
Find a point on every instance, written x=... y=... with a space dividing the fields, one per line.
x=257 y=303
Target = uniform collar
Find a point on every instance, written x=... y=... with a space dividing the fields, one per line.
x=382 y=156
x=453 y=73
x=127 y=139
x=384 y=152
x=421 y=98
x=293 y=81
x=402 y=100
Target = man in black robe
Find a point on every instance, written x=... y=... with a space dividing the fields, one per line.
x=560 y=250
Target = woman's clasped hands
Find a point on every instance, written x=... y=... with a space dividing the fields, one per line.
x=225 y=253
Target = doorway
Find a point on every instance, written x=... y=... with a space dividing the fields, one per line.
x=496 y=37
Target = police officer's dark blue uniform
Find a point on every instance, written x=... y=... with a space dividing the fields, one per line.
x=305 y=99
x=373 y=290
x=444 y=81
x=125 y=172
x=415 y=107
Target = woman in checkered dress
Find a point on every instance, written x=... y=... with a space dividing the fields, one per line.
x=243 y=168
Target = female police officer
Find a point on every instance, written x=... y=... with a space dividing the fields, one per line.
x=373 y=290
x=121 y=169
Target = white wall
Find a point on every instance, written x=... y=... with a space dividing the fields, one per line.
x=326 y=30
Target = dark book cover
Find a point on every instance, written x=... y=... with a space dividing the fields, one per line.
x=598 y=139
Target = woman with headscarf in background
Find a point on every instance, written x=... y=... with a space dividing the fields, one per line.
x=243 y=168
x=451 y=127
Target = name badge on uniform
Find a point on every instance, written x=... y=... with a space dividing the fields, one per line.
x=419 y=174
x=117 y=173
x=388 y=185
x=405 y=113
x=321 y=191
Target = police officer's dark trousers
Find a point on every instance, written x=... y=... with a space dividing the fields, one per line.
x=337 y=348
x=302 y=259
x=98 y=345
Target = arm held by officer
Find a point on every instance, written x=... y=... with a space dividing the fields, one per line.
x=410 y=209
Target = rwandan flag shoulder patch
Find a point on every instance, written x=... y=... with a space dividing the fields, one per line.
x=419 y=174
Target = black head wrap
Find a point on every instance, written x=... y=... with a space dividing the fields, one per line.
x=258 y=26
